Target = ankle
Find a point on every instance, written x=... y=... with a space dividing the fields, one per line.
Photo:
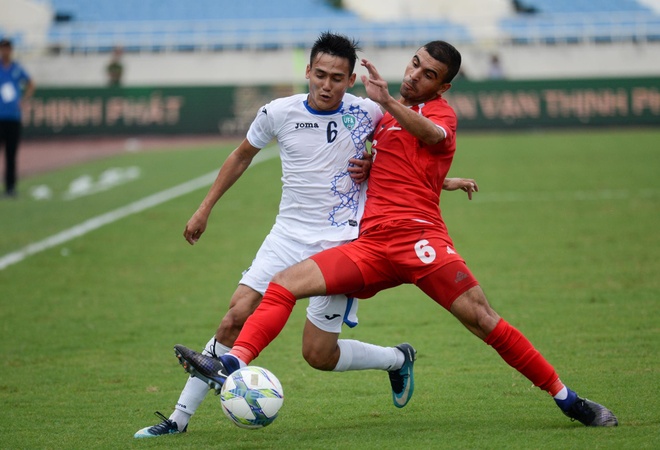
x=180 y=418
x=566 y=402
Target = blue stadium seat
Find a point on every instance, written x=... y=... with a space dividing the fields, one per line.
x=569 y=21
x=220 y=24
x=585 y=6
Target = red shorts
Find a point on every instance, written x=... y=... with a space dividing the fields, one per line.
x=393 y=254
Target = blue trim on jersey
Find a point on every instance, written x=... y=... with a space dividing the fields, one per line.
x=323 y=113
x=359 y=134
x=349 y=306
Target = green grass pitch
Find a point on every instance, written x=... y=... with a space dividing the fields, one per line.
x=564 y=236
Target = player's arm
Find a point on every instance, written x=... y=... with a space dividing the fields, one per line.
x=232 y=169
x=416 y=124
x=28 y=91
x=465 y=184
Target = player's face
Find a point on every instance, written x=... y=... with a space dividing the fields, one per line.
x=5 y=52
x=329 y=78
x=423 y=79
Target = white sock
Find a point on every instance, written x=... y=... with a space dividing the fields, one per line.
x=191 y=397
x=180 y=417
x=356 y=355
x=195 y=390
x=563 y=394
x=215 y=348
x=241 y=363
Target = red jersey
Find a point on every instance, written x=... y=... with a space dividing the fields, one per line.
x=407 y=175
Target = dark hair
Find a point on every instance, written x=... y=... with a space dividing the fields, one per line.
x=336 y=45
x=5 y=43
x=448 y=55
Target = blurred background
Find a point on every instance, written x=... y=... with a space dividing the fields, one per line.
x=166 y=67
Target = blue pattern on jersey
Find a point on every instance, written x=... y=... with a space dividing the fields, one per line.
x=359 y=133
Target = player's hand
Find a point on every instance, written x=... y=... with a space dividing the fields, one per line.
x=195 y=227
x=375 y=85
x=465 y=184
x=359 y=168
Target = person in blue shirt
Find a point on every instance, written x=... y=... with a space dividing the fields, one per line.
x=16 y=86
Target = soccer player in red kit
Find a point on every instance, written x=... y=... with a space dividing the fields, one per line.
x=403 y=239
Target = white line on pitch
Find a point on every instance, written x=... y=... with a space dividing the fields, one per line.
x=125 y=211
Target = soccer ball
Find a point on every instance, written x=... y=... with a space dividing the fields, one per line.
x=251 y=397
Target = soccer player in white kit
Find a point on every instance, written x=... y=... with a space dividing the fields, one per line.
x=322 y=139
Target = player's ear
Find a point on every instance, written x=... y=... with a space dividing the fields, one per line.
x=351 y=80
x=444 y=87
x=307 y=71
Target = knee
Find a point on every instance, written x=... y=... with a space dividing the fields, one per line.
x=318 y=358
x=280 y=278
x=487 y=321
x=484 y=322
x=475 y=313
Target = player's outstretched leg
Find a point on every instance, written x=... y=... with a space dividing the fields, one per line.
x=587 y=412
x=163 y=428
x=213 y=371
x=402 y=381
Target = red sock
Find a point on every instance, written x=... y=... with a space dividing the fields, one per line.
x=520 y=354
x=263 y=326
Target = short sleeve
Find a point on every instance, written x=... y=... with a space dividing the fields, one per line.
x=445 y=118
x=261 y=130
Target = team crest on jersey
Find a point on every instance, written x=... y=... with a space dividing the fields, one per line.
x=348 y=121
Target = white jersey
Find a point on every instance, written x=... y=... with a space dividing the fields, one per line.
x=319 y=199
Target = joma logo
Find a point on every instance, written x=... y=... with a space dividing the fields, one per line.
x=306 y=125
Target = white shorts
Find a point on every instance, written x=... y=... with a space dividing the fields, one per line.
x=276 y=254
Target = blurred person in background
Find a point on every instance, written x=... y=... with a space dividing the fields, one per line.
x=115 y=68
x=16 y=87
x=495 y=70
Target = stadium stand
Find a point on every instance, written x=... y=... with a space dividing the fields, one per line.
x=162 y=39
x=167 y=25
x=574 y=21
x=83 y=26
x=584 y=6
